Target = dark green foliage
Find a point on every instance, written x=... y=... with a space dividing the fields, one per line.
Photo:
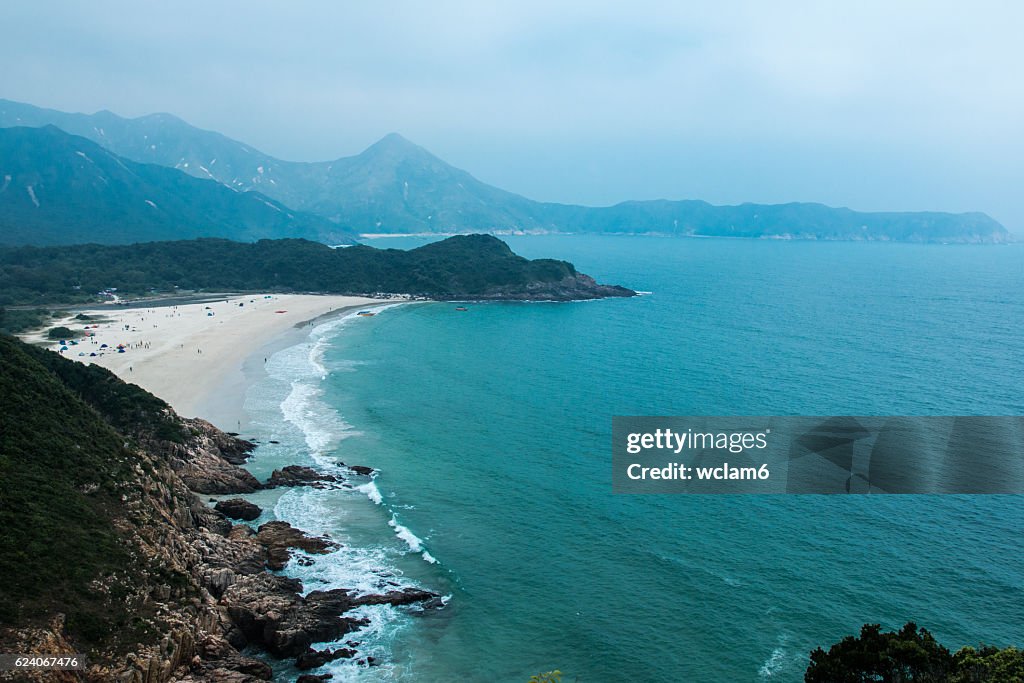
x=911 y=655
x=127 y=407
x=989 y=664
x=15 y=320
x=464 y=266
x=59 y=464
x=62 y=333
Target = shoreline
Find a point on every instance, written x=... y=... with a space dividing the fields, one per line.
x=224 y=405
x=199 y=357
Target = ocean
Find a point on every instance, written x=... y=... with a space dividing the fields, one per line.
x=491 y=428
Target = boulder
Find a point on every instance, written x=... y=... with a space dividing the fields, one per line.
x=277 y=537
x=406 y=596
x=238 y=508
x=358 y=469
x=298 y=475
x=311 y=659
x=271 y=613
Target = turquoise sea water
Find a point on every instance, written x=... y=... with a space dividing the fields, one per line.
x=491 y=430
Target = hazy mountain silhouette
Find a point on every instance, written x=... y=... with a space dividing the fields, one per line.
x=395 y=186
x=57 y=188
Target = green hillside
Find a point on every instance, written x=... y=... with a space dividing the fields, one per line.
x=462 y=267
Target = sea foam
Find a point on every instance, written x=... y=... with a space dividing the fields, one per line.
x=307 y=425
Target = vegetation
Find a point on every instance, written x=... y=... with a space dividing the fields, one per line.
x=15 y=320
x=62 y=332
x=547 y=677
x=58 y=466
x=464 y=266
x=911 y=655
x=128 y=408
x=987 y=663
x=64 y=463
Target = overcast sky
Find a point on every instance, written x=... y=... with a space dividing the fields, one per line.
x=873 y=105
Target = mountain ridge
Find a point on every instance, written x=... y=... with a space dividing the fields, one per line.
x=59 y=188
x=396 y=186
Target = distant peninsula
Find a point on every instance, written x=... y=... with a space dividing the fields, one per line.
x=467 y=267
x=396 y=186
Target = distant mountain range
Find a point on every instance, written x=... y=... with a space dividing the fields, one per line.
x=395 y=186
x=57 y=188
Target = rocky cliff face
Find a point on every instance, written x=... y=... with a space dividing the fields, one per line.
x=196 y=590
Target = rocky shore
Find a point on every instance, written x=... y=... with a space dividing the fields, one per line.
x=198 y=590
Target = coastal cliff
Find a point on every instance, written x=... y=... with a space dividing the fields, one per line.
x=109 y=552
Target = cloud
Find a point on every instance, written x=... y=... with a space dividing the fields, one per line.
x=645 y=99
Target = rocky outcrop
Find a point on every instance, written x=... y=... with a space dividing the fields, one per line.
x=238 y=508
x=225 y=602
x=271 y=613
x=45 y=639
x=278 y=537
x=209 y=461
x=311 y=659
x=406 y=596
x=573 y=287
x=298 y=475
x=361 y=470
x=191 y=591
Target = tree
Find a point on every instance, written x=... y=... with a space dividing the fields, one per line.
x=909 y=655
x=989 y=664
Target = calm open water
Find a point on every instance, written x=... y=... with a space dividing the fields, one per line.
x=491 y=430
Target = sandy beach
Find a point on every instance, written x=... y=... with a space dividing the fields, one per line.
x=197 y=356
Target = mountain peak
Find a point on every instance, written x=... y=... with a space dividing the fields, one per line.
x=394 y=143
x=395 y=139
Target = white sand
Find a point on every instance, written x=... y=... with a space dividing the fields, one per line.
x=189 y=358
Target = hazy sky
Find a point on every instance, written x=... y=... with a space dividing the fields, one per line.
x=872 y=105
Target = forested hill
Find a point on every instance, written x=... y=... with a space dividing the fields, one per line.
x=462 y=267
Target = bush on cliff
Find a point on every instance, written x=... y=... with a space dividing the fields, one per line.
x=911 y=655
